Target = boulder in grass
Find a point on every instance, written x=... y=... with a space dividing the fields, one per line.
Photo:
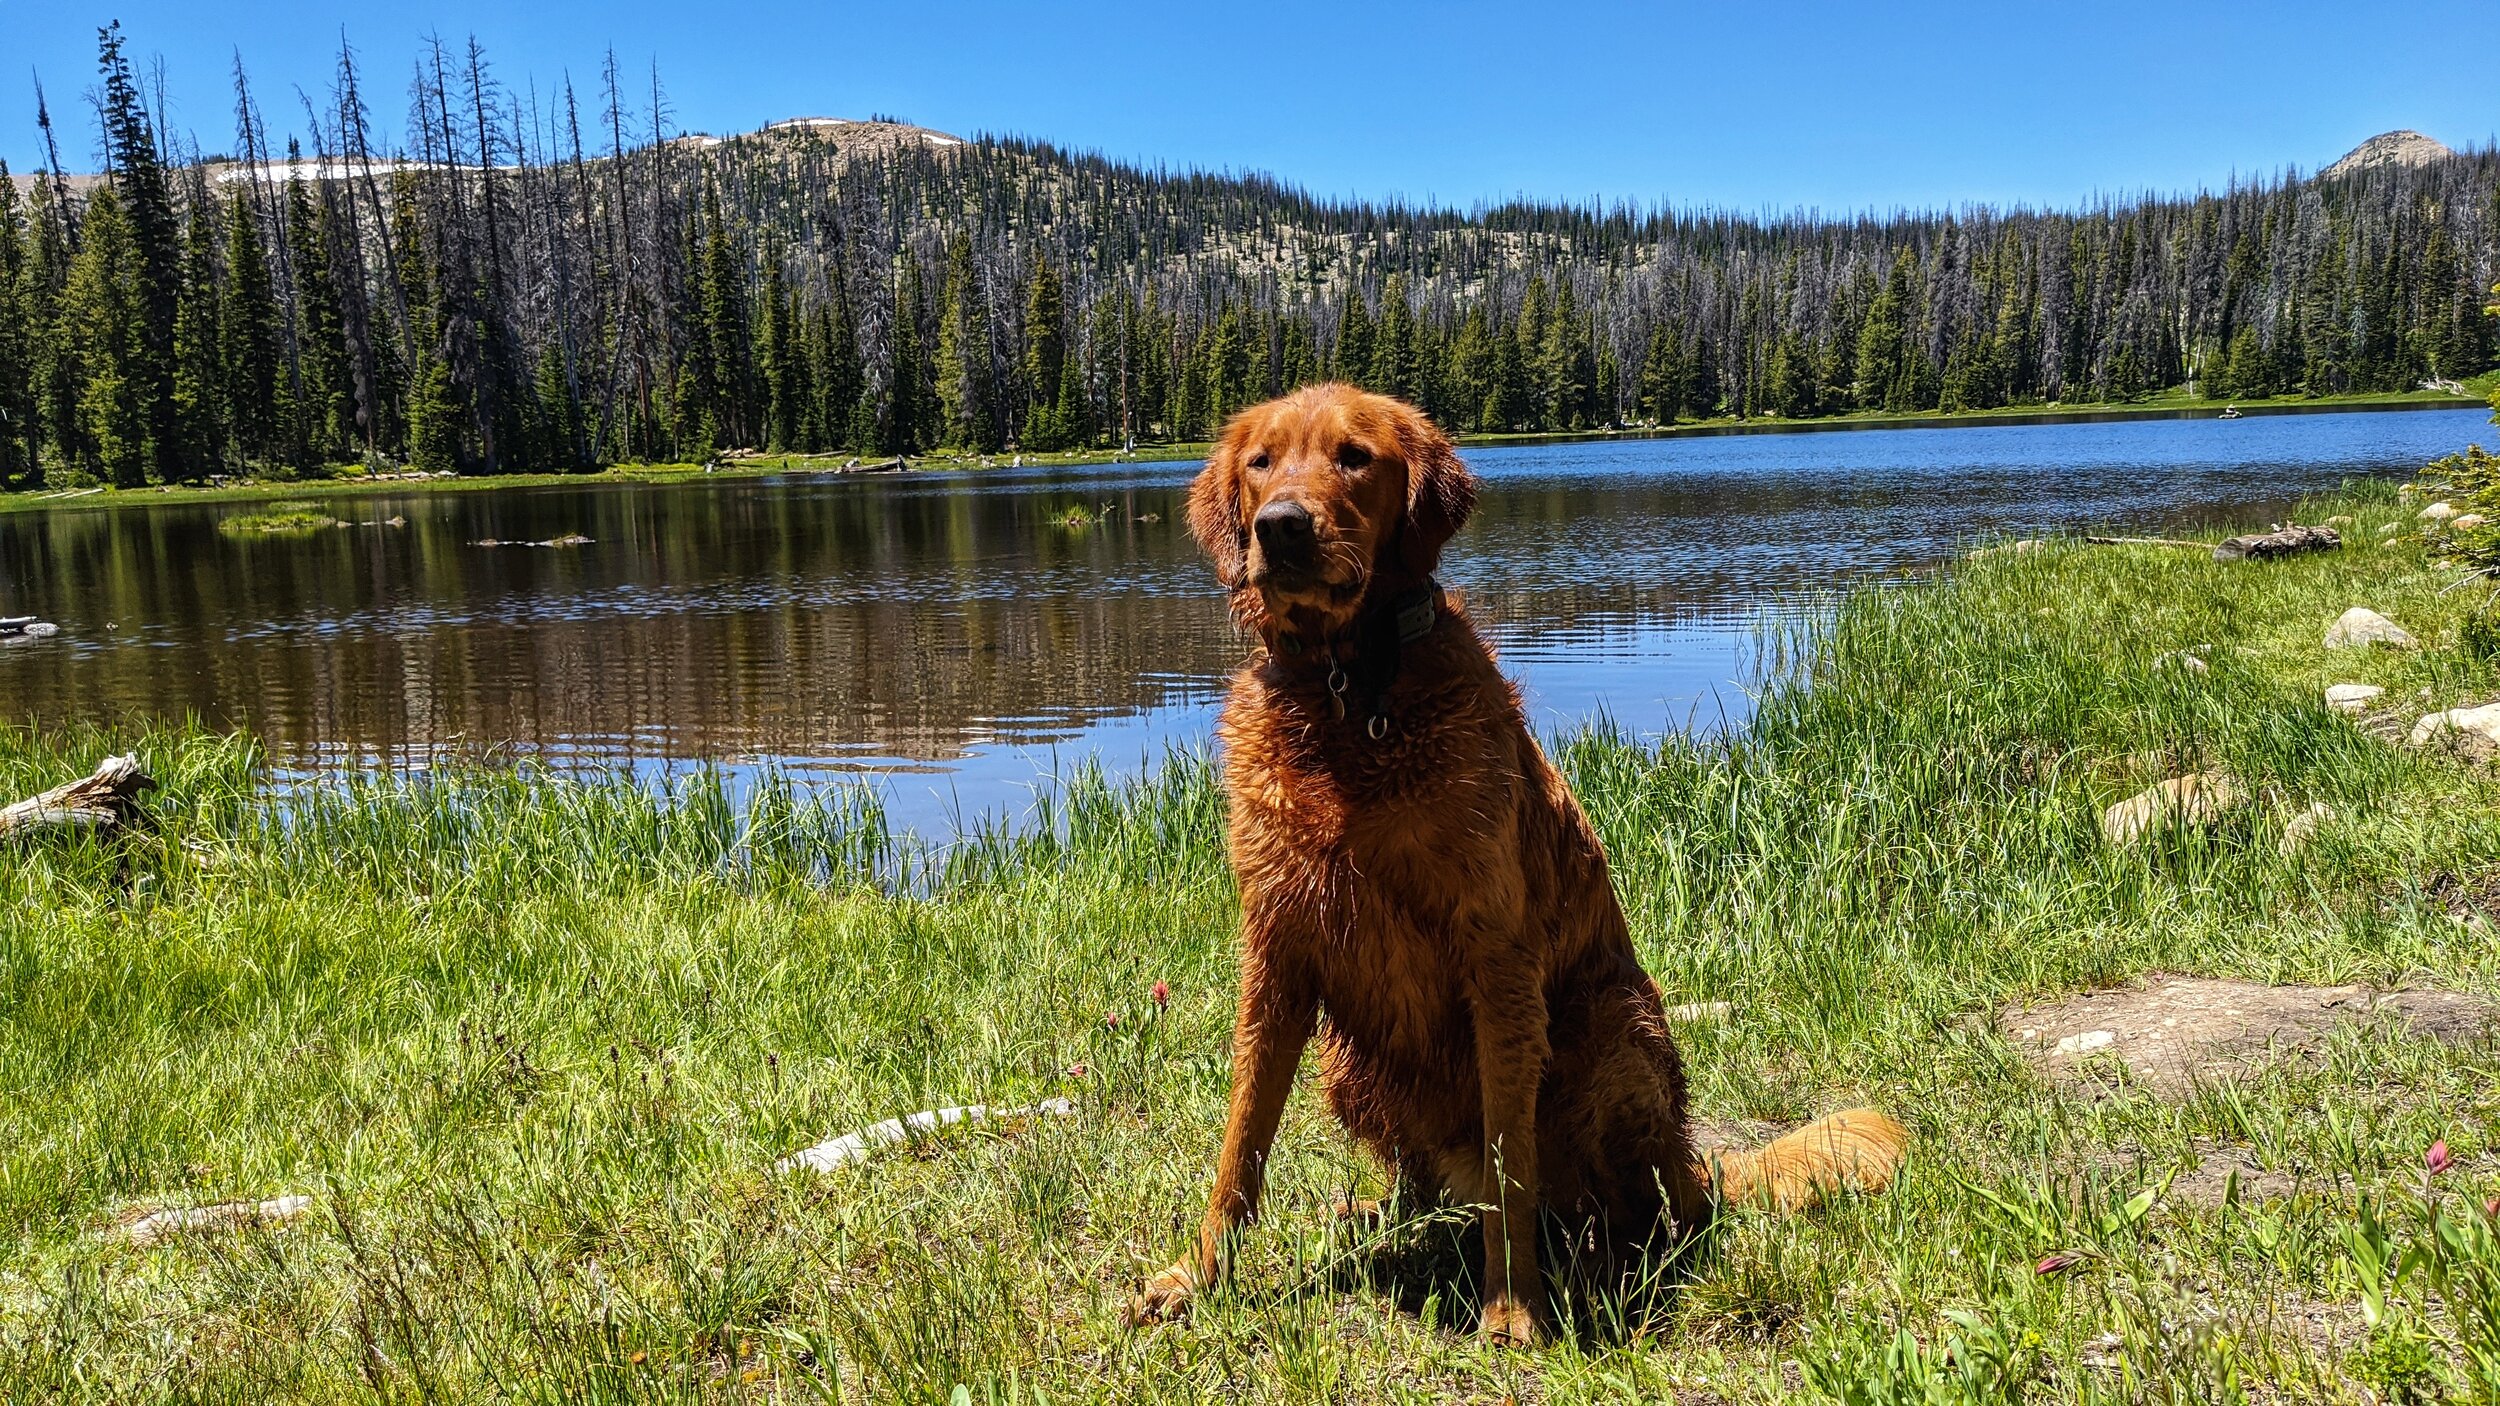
x=2468 y=732
x=2195 y=800
x=2436 y=513
x=2362 y=626
x=2467 y=522
x=2302 y=828
x=2352 y=698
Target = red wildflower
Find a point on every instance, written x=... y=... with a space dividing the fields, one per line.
x=2057 y=1263
x=1111 y=1021
x=2437 y=1159
x=1162 y=994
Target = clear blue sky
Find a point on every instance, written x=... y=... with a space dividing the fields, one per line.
x=1731 y=104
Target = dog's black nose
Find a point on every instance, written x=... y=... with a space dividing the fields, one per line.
x=1284 y=528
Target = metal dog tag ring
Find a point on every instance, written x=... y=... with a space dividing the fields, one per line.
x=1378 y=727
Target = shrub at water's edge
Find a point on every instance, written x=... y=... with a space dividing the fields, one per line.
x=531 y=1043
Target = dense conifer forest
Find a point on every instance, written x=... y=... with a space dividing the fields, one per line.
x=527 y=281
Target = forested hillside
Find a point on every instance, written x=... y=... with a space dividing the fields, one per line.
x=528 y=284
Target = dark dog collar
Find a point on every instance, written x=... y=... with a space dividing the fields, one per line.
x=1362 y=661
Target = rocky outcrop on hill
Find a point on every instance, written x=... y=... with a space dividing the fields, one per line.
x=2399 y=148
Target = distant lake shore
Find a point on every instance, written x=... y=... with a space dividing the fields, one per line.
x=358 y=482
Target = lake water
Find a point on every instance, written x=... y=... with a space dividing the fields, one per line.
x=956 y=638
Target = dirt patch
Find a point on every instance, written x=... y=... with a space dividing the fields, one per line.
x=2171 y=1033
x=1723 y=1134
x=2211 y=1182
x=2475 y=896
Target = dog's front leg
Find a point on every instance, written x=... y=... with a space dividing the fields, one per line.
x=1511 y=1050
x=1277 y=1015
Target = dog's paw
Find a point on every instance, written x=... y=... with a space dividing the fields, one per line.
x=1363 y=1211
x=1508 y=1323
x=1165 y=1297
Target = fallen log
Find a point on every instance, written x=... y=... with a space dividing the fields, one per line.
x=2146 y=542
x=103 y=801
x=2288 y=541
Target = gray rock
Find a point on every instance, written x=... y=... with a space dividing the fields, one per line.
x=2194 y=800
x=2302 y=828
x=2363 y=626
x=2352 y=698
x=2468 y=732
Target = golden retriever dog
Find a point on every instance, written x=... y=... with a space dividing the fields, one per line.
x=1420 y=890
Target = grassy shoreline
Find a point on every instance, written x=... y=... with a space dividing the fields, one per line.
x=830 y=465
x=532 y=1047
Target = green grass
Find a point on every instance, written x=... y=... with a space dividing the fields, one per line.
x=284 y=519
x=533 y=1045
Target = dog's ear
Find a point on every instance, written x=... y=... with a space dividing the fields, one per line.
x=1440 y=492
x=1215 y=506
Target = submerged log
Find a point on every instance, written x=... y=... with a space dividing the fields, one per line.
x=2145 y=542
x=2287 y=541
x=104 y=801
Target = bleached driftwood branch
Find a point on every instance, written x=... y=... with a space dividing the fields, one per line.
x=226 y=1215
x=2147 y=542
x=104 y=801
x=852 y=1147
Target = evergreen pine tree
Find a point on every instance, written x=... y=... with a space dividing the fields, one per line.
x=730 y=405
x=324 y=401
x=56 y=361
x=963 y=354
x=435 y=416
x=785 y=369
x=1354 y=339
x=147 y=214
x=248 y=330
x=906 y=376
x=20 y=437
x=199 y=373
x=840 y=380
x=1392 y=368
x=1045 y=354
x=1298 y=358
x=1228 y=367
x=105 y=302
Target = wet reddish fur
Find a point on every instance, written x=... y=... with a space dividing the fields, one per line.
x=1436 y=893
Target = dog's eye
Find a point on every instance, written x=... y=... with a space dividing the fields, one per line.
x=1258 y=461
x=1353 y=456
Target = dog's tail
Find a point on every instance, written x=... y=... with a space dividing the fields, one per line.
x=1858 y=1150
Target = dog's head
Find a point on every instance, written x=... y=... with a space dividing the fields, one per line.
x=1311 y=502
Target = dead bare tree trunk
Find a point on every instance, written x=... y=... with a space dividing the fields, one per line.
x=104 y=801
